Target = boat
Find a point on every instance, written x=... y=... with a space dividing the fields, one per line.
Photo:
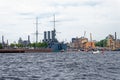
x=62 y=50
x=51 y=40
x=96 y=52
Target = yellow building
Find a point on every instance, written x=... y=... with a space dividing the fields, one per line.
x=89 y=45
x=110 y=42
x=82 y=43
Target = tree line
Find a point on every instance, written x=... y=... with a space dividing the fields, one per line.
x=101 y=43
x=31 y=45
x=34 y=45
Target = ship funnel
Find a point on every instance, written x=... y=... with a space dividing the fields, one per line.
x=48 y=35
x=2 y=39
x=45 y=36
x=53 y=35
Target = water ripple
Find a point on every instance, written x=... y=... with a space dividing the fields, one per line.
x=60 y=66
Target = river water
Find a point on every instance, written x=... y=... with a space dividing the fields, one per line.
x=60 y=66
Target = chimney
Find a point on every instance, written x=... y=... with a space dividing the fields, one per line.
x=28 y=38
x=53 y=35
x=115 y=36
x=2 y=39
x=45 y=35
x=48 y=35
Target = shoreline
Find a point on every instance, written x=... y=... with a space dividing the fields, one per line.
x=24 y=50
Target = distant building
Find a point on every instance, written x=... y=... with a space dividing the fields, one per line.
x=24 y=42
x=118 y=43
x=4 y=44
x=20 y=41
x=81 y=43
x=90 y=45
x=78 y=43
x=112 y=42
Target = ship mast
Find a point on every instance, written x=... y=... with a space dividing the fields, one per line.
x=54 y=30
x=54 y=25
x=36 y=30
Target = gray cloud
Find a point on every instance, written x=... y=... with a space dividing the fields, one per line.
x=76 y=4
x=100 y=17
x=26 y=14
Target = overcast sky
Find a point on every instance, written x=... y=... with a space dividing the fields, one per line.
x=99 y=17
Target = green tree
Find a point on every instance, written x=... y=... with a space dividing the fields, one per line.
x=19 y=45
x=102 y=43
x=1 y=46
x=39 y=45
x=12 y=45
x=35 y=45
x=45 y=44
